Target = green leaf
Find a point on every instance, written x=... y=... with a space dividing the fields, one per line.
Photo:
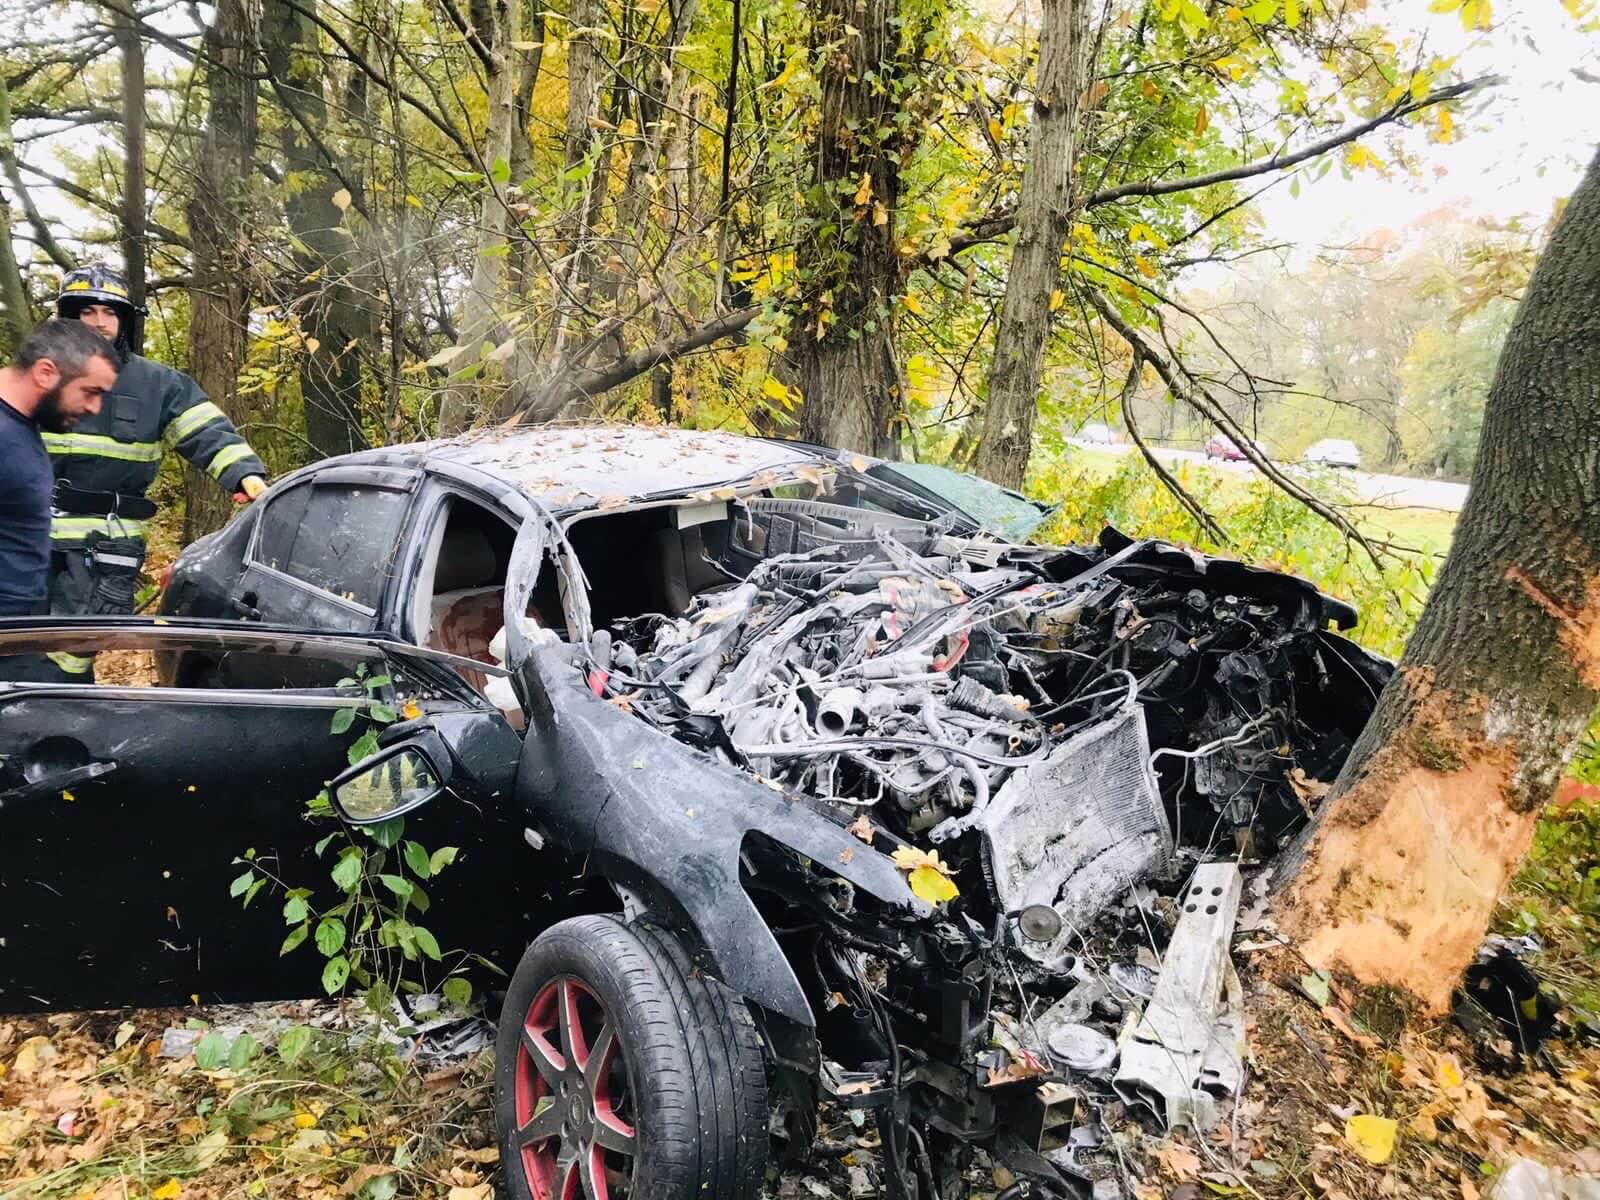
x=458 y=991
x=342 y=720
x=335 y=974
x=244 y=1049
x=293 y=1042
x=417 y=860
x=420 y=898
x=1315 y=986
x=382 y=713
x=347 y=871
x=240 y=885
x=397 y=884
x=386 y=833
x=295 y=910
x=296 y=936
x=380 y=1187
x=442 y=858
x=364 y=746
x=500 y=172
x=427 y=943
x=378 y=681
x=250 y=892
x=211 y=1051
x=330 y=936
x=322 y=844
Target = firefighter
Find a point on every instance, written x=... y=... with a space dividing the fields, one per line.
x=104 y=467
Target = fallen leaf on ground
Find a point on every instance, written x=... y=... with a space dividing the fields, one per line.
x=1178 y=1161
x=1372 y=1137
x=170 y=1190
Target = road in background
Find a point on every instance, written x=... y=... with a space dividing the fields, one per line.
x=1387 y=491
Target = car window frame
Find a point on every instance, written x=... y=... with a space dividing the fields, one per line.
x=430 y=510
x=393 y=479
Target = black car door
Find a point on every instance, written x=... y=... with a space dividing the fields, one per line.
x=323 y=552
x=122 y=811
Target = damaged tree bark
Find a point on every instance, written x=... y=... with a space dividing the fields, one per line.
x=1396 y=881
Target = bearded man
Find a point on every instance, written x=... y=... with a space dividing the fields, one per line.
x=59 y=375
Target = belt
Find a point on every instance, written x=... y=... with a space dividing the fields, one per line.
x=81 y=502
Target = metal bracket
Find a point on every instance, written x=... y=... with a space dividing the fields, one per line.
x=1186 y=1050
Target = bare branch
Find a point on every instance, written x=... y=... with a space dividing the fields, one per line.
x=1169 y=481
x=1197 y=398
x=580 y=384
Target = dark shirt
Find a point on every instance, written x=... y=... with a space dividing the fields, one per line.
x=26 y=482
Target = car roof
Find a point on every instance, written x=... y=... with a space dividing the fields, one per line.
x=565 y=466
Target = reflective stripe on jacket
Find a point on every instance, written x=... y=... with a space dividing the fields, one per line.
x=119 y=449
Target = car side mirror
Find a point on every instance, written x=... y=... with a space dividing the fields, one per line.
x=396 y=780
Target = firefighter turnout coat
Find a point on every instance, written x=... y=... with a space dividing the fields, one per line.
x=119 y=449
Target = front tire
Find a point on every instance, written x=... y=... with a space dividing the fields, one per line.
x=624 y=1073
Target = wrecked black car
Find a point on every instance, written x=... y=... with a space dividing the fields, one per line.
x=796 y=782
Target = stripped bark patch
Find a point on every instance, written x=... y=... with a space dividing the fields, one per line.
x=1403 y=877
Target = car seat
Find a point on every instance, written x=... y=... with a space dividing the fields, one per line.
x=468 y=605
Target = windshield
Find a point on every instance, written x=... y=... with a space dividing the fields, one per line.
x=997 y=510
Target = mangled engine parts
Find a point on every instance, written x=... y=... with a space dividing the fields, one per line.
x=1123 y=691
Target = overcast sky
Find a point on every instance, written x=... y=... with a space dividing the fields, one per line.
x=1519 y=147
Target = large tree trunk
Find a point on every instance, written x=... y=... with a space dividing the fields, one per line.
x=1044 y=218
x=843 y=340
x=1397 y=881
x=219 y=289
x=462 y=404
x=16 y=313
x=131 y=49
x=333 y=320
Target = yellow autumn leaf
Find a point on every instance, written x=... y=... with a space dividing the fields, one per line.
x=1146 y=267
x=1372 y=1137
x=170 y=1190
x=912 y=304
x=864 y=192
x=1447 y=1072
x=1446 y=128
x=341 y=201
x=1202 y=120
x=413 y=201
x=773 y=390
x=1476 y=14
x=304 y=1120
x=995 y=131
x=929 y=878
x=932 y=886
x=1057 y=299
x=411 y=710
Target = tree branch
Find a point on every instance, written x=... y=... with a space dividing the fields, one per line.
x=1202 y=403
x=84 y=195
x=1169 y=481
x=1280 y=162
x=581 y=384
x=1001 y=221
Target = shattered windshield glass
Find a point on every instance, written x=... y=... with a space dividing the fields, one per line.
x=997 y=510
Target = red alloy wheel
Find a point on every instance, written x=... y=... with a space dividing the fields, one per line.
x=574 y=1107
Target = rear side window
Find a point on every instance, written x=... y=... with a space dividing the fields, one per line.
x=338 y=537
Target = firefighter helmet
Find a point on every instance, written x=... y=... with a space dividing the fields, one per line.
x=94 y=284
